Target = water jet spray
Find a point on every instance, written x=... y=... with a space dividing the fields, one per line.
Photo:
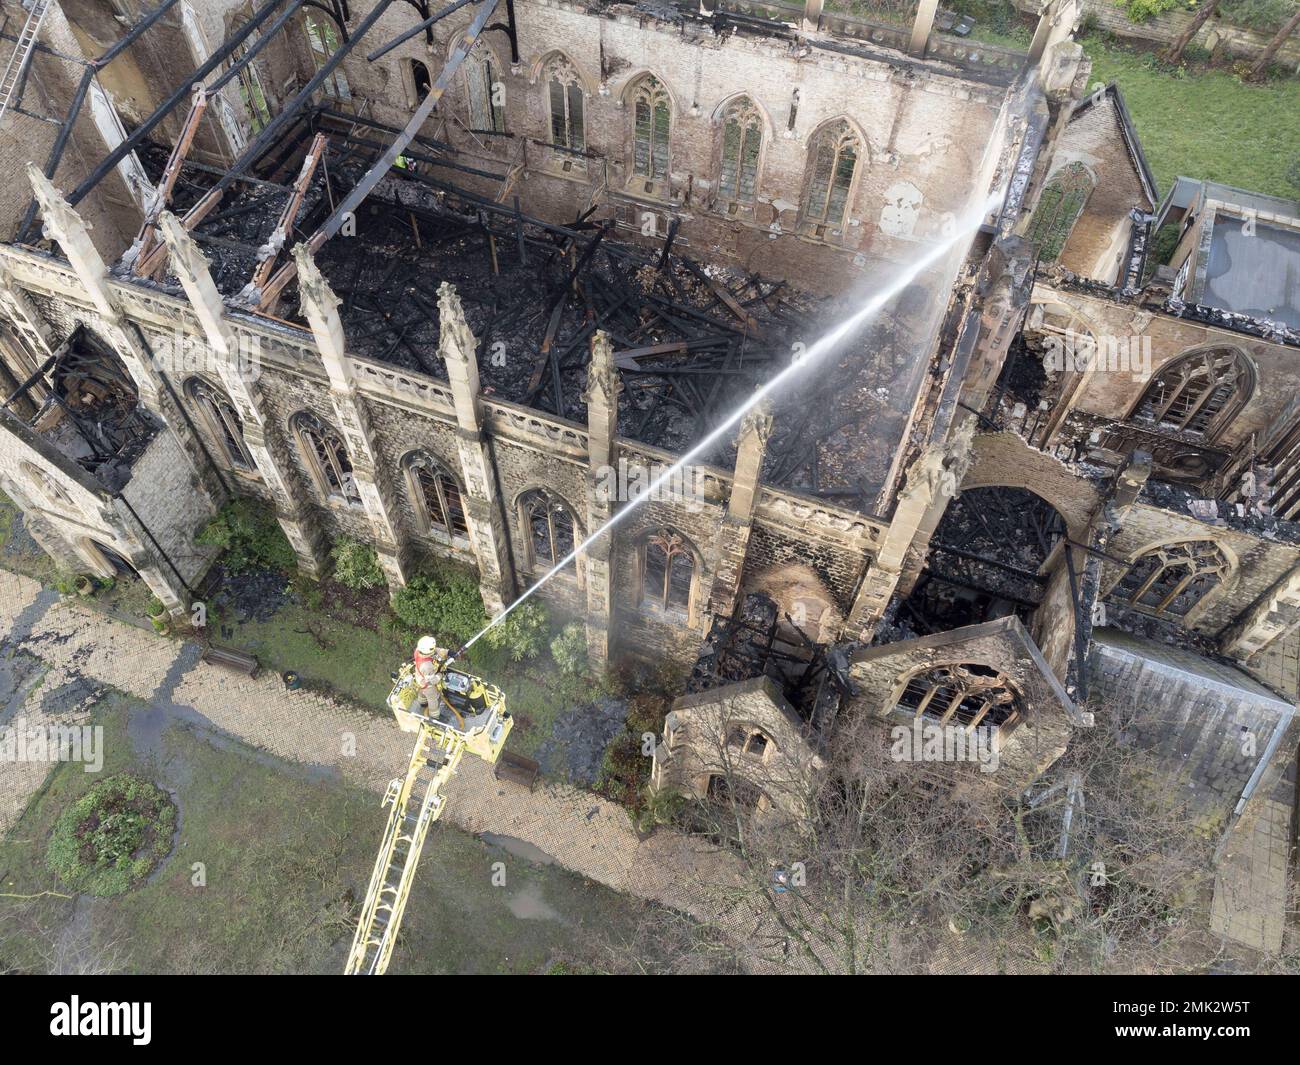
x=962 y=230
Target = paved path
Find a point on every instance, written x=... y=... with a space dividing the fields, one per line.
x=581 y=831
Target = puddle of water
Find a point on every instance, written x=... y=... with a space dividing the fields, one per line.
x=528 y=905
x=518 y=847
x=19 y=674
x=145 y=727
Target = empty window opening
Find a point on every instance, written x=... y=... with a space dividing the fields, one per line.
x=437 y=495
x=486 y=95
x=323 y=36
x=550 y=526
x=1171 y=579
x=969 y=695
x=564 y=92
x=328 y=459
x=1199 y=393
x=251 y=90
x=833 y=165
x=1059 y=208
x=740 y=793
x=668 y=573
x=747 y=740
x=742 y=143
x=222 y=422
x=421 y=81
x=652 y=123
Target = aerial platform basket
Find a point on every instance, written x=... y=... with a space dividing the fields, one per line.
x=464 y=714
x=465 y=706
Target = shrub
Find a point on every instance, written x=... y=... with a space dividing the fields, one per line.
x=356 y=565
x=65 y=583
x=569 y=649
x=113 y=836
x=445 y=603
x=250 y=536
x=1263 y=16
x=1142 y=10
x=522 y=634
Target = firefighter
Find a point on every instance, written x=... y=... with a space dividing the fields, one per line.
x=429 y=660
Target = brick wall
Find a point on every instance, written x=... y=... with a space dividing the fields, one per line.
x=1163 y=29
x=1099 y=240
x=1259 y=563
x=927 y=132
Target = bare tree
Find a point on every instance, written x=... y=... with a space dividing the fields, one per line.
x=877 y=866
x=1265 y=58
x=1176 y=48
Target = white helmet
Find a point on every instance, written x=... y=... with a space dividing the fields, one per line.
x=427 y=645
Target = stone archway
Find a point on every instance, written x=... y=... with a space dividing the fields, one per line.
x=987 y=560
x=106 y=561
x=799 y=592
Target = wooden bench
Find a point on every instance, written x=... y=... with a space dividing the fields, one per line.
x=240 y=661
x=516 y=767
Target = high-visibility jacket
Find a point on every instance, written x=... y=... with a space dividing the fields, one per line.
x=427 y=667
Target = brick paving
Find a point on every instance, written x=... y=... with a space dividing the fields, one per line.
x=580 y=831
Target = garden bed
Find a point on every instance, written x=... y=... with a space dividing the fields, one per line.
x=113 y=837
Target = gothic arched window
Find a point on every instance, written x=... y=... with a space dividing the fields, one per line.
x=549 y=522
x=1059 y=208
x=832 y=164
x=436 y=494
x=251 y=90
x=323 y=37
x=1173 y=578
x=651 y=126
x=419 y=81
x=667 y=572
x=222 y=422
x=742 y=142
x=968 y=695
x=486 y=104
x=45 y=485
x=1198 y=393
x=327 y=458
x=564 y=94
x=751 y=740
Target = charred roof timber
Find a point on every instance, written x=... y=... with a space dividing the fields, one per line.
x=91 y=411
x=690 y=340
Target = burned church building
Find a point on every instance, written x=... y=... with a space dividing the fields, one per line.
x=423 y=276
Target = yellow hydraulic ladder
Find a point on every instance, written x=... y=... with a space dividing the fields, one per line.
x=417 y=800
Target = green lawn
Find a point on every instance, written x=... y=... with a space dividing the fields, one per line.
x=1206 y=124
x=347 y=659
x=285 y=857
x=357 y=662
